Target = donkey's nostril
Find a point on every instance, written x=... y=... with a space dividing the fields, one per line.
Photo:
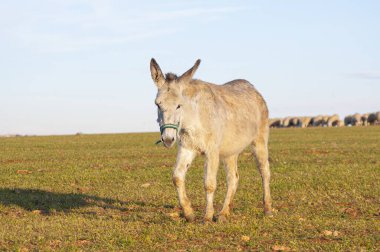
x=168 y=141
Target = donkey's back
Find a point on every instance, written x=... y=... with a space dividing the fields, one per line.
x=243 y=113
x=244 y=94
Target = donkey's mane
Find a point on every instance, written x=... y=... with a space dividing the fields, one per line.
x=171 y=77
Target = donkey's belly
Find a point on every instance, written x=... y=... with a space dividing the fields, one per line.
x=234 y=146
x=237 y=136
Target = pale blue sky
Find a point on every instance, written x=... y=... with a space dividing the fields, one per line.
x=83 y=66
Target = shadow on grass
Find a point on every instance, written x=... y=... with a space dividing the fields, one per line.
x=47 y=202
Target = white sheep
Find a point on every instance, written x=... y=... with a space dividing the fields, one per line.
x=305 y=121
x=286 y=121
x=332 y=120
x=294 y=122
x=356 y=120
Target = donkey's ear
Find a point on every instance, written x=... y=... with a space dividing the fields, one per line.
x=188 y=75
x=156 y=73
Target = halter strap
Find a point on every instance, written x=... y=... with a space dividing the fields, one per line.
x=168 y=126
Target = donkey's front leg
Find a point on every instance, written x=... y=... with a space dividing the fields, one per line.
x=210 y=172
x=184 y=159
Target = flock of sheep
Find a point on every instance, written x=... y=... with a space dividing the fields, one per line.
x=326 y=121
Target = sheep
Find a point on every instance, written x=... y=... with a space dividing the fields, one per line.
x=331 y=120
x=338 y=123
x=348 y=120
x=317 y=121
x=325 y=118
x=294 y=122
x=356 y=120
x=374 y=118
x=305 y=121
x=286 y=121
x=364 y=119
x=275 y=123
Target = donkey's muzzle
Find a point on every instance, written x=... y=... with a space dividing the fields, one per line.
x=168 y=142
x=168 y=136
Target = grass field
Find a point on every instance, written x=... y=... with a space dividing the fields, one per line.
x=114 y=192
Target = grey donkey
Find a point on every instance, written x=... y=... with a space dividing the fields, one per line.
x=217 y=121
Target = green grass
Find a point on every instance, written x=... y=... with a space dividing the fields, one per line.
x=85 y=193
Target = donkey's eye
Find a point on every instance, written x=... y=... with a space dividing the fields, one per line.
x=179 y=106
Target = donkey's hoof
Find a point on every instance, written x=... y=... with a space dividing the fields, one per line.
x=190 y=217
x=268 y=213
x=222 y=218
x=208 y=219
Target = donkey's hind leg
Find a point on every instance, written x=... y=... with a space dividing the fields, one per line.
x=210 y=172
x=230 y=166
x=260 y=149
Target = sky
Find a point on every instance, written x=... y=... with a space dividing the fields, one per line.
x=83 y=66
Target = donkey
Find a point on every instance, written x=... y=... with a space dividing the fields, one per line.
x=217 y=121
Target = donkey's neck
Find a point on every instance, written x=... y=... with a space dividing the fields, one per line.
x=198 y=90
x=198 y=120
x=200 y=99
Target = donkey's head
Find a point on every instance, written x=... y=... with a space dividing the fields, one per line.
x=170 y=101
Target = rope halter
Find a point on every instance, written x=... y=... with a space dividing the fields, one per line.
x=167 y=126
